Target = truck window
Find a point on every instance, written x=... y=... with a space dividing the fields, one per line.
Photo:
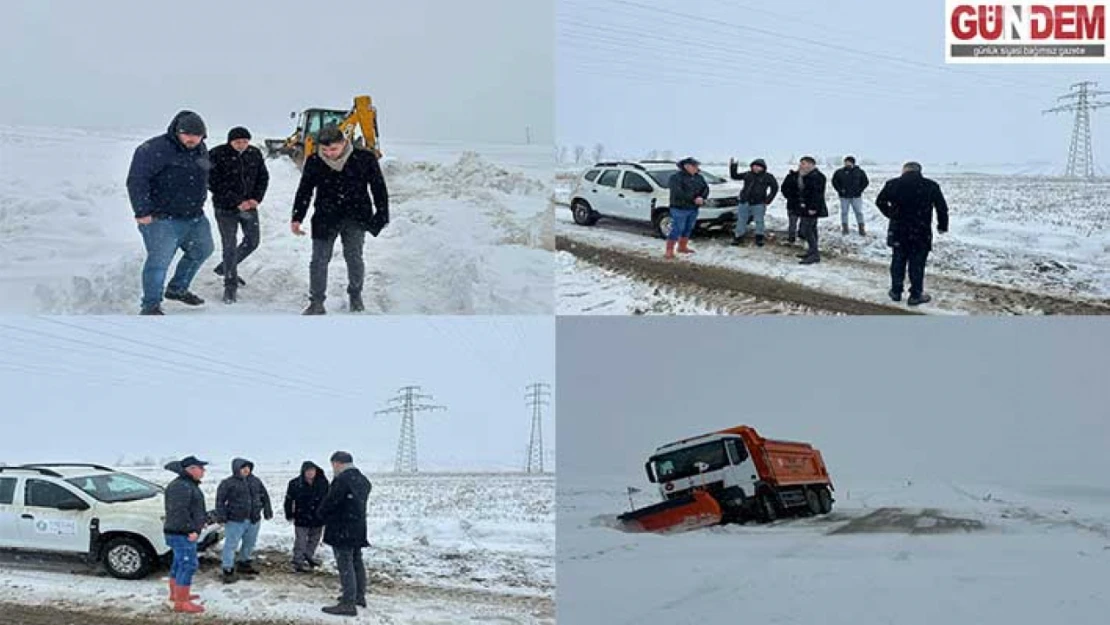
x=736 y=452
x=42 y=494
x=592 y=174
x=609 y=178
x=691 y=461
x=635 y=182
x=7 y=490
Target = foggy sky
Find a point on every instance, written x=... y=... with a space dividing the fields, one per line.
x=270 y=389
x=979 y=400
x=470 y=71
x=638 y=79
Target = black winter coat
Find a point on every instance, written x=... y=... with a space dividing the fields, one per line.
x=684 y=188
x=242 y=498
x=850 y=182
x=344 y=510
x=812 y=197
x=236 y=177
x=167 y=179
x=185 y=510
x=342 y=195
x=908 y=202
x=758 y=188
x=302 y=500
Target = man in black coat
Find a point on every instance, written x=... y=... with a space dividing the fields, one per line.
x=850 y=182
x=238 y=182
x=804 y=190
x=344 y=512
x=186 y=517
x=339 y=175
x=302 y=500
x=908 y=202
x=241 y=503
x=688 y=192
x=760 y=188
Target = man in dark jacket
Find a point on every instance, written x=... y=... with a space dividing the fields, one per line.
x=689 y=191
x=241 y=502
x=167 y=185
x=344 y=512
x=339 y=175
x=238 y=182
x=850 y=182
x=804 y=190
x=760 y=188
x=908 y=202
x=302 y=499
x=185 y=519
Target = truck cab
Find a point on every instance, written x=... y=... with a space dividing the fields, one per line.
x=717 y=463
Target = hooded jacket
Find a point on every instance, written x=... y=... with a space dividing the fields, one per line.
x=184 y=501
x=242 y=498
x=166 y=179
x=758 y=188
x=302 y=499
x=344 y=510
x=908 y=202
x=686 y=188
x=237 y=176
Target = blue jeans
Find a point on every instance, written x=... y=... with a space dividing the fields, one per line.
x=756 y=211
x=682 y=223
x=234 y=533
x=184 y=559
x=854 y=203
x=162 y=238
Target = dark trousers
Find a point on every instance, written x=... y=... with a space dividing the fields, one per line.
x=352 y=573
x=234 y=251
x=353 y=235
x=913 y=258
x=807 y=228
x=792 y=226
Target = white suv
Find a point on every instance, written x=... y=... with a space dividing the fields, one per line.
x=90 y=510
x=639 y=191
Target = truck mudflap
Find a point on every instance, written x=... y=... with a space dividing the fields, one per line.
x=688 y=512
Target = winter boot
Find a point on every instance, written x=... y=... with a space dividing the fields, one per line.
x=315 y=308
x=810 y=260
x=895 y=296
x=356 y=305
x=360 y=602
x=182 y=603
x=683 y=246
x=759 y=240
x=917 y=300
x=185 y=297
x=315 y=562
x=301 y=567
x=670 y=249
x=173 y=591
x=862 y=231
x=219 y=270
x=844 y=228
x=737 y=241
x=247 y=568
x=341 y=610
x=228 y=576
x=153 y=310
x=229 y=294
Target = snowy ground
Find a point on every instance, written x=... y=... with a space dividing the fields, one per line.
x=449 y=548
x=471 y=232
x=904 y=552
x=1035 y=234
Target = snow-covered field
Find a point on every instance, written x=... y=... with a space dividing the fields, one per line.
x=446 y=548
x=471 y=231
x=930 y=552
x=1037 y=234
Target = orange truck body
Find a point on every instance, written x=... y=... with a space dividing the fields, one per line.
x=783 y=463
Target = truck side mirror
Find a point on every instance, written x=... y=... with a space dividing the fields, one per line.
x=293 y=115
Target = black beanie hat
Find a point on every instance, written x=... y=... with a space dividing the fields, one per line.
x=191 y=124
x=238 y=132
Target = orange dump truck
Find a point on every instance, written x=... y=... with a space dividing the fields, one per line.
x=733 y=475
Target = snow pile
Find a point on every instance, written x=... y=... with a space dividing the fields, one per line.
x=469 y=234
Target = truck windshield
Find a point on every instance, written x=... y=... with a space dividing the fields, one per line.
x=691 y=461
x=115 y=487
x=663 y=177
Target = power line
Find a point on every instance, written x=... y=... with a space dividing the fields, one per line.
x=538 y=396
x=407 y=406
x=1081 y=160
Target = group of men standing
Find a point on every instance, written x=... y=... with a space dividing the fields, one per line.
x=169 y=181
x=333 y=512
x=908 y=201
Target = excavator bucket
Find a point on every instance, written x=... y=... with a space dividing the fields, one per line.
x=680 y=514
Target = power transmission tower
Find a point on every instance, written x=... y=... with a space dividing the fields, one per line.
x=1081 y=162
x=538 y=396
x=407 y=404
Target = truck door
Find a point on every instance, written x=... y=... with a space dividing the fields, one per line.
x=634 y=197
x=742 y=473
x=54 y=518
x=603 y=197
x=9 y=515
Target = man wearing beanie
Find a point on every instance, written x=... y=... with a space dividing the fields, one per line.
x=238 y=183
x=167 y=185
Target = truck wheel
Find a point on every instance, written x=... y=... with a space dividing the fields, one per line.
x=127 y=558
x=768 y=511
x=583 y=214
x=813 y=502
x=662 y=222
x=825 y=499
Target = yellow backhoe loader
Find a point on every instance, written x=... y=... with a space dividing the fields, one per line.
x=359 y=124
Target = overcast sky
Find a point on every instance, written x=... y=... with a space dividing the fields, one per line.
x=747 y=78
x=478 y=71
x=979 y=400
x=95 y=389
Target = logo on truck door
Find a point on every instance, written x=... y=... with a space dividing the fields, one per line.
x=58 y=528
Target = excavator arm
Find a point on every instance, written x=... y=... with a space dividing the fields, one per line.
x=363 y=116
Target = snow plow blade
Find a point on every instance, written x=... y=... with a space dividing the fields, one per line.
x=681 y=514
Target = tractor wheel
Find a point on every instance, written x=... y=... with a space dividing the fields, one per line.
x=813 y=502
x=825 y=499
x=768 y=509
